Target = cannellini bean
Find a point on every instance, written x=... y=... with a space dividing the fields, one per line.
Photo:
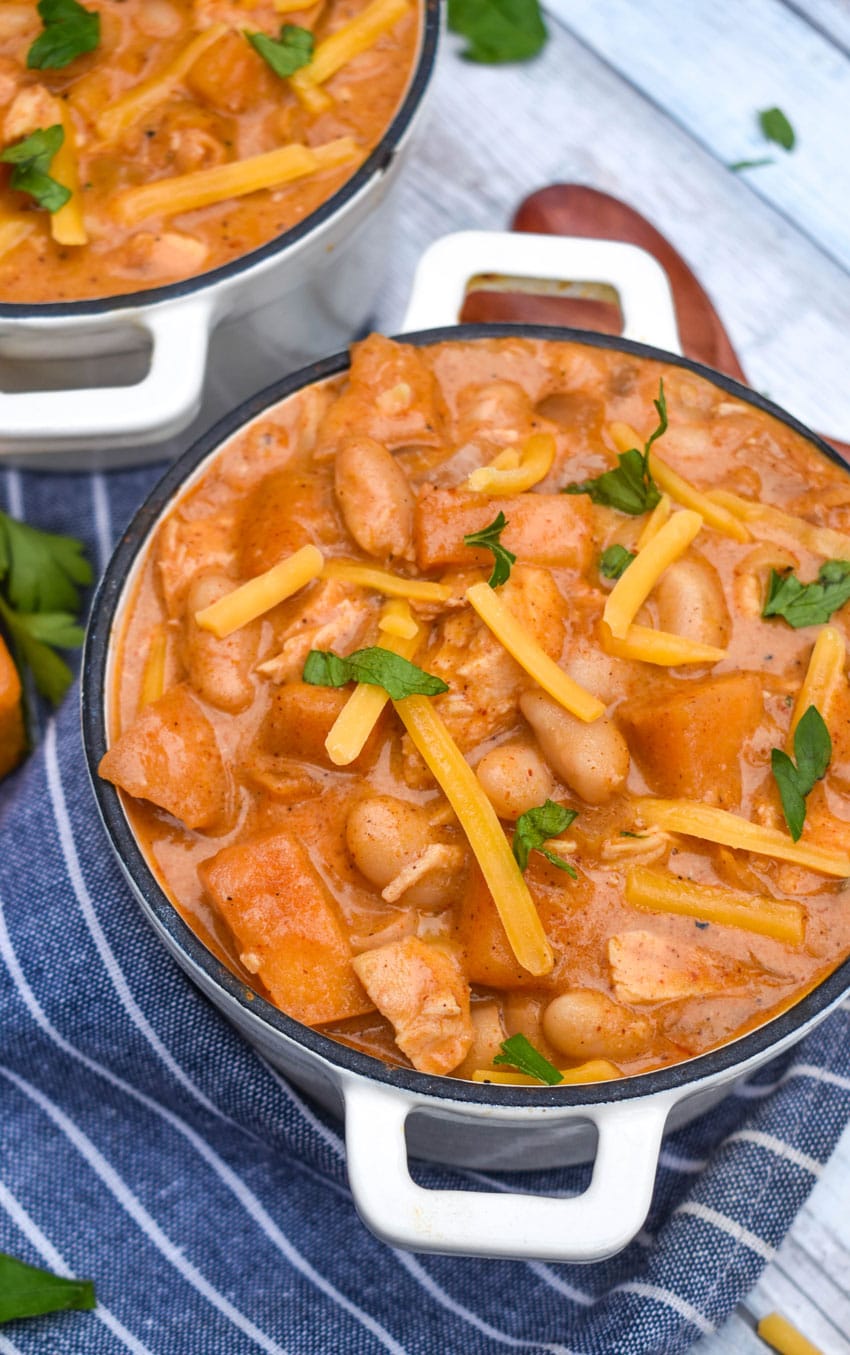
x=158 y=19
x=690 y=601
x=514 y=778
x=219 y=670
x=488 y=1032
x=375 y=497
x=584 y=1024
x=385 y=836
x=592 y=759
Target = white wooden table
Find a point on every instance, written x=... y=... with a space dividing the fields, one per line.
x=651 y=100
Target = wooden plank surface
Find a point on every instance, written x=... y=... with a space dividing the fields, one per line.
x=772 y=254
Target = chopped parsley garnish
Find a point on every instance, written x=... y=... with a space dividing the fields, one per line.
x=32 y=159
x=69 y=32
x=615 y=561
x=503 y=558
x=40 y=580
x=288 y=53
x=737 y=165
x=808 y=604
x=630 y=488
x=812 y=749
x=537 y=826
x=27 y=1291
x=776 y=127
x=518 y=1052
x=379 y=667
x=498 y=30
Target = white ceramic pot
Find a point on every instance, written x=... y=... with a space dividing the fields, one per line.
x=90 y=384
x=391 y=1111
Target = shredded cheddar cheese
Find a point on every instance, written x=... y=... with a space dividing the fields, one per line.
x=259 y=595
x=500 y=477
x=634 y=586
x=153 y=677
x=655 y=521
x=680 y=489
x=764 y=521
x=396 y=619
x=357 y=36
x=660 y=647
x=350 y=730
x=660 y=892
x=67 y=226
x=484 y=833
x=595 y=1070
x=185 y=192
x=125 y=112
x=524 y=648
x=825 y=670
x=391 y=585
x=730 y=830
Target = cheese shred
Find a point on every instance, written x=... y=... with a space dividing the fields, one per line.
x=484 y=833
x=634 y=586
x=595 y=1070
x=729 y=830
x=764 y=521
x=348 y=42
x=391 y=585
x=660 y=892
x=660 y=647
x=529 y=655
x=535 y=462
x=67 y=226
x=125 y=112
x=259 y=595
x=825 y=671
x=350 y=730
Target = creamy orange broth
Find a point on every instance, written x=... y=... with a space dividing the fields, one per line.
x=228 y=106
x=250 y=762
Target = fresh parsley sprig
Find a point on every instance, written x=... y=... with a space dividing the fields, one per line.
x=537 y=826
x=630 y=488
x=776 y=127
x=69 y=32
x=40 y=580
x=498 y=30
x=489 y=538
x=28 y=1291
x=808 y=604
x=379 y=667
x=813 y=750
x=32 y=158
x=518 y=1052
x=614 y=561
x=286 y=54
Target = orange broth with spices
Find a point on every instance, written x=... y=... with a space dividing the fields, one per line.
x=303 y=877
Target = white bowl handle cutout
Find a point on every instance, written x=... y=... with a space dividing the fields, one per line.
x=586 y=1227
x=162 y=403
x=445 y=269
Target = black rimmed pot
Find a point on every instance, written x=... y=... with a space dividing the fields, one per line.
x=388 y=1109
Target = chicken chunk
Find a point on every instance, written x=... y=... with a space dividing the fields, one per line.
x=170 y=756
x=288 y=928
x=646 y=967
x=32 y=107
x=421 y=990
x=184 y=547
x=332 y=615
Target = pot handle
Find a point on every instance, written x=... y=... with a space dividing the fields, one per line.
x=446 y=267
x=162 y=403
x=587 y=1227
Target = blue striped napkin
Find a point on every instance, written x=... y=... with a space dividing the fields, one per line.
x=143 y=1144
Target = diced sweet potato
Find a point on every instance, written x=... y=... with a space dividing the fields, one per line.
x=543 y=529
x=229 y=75
x=13 y=739
x=689 y=741
x=391 y=396
x=288 y=928
x=170 y=756
x=421 y=990
x=284 y=512
x=299 y=720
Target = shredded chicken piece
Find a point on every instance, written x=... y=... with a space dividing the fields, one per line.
x=639 y=850
x=421 y=990
x=331 y=618
x=646 y=967
x=437 y=856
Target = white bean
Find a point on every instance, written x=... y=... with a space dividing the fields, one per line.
x=375 y=497
x=385 y=836
x=690 y=601
x=592 y=759
x=585 y=1024
x=514 y=778
x=158 y=19
x=219 y=670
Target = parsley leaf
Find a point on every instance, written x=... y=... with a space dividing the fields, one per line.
x=537 y=826
x=503 y=558
x=28 y=1291
x=498 y=30
x=379 y=667
x=808 y=604
x=813 y=750
x=32 y=158
x=630 y=488
x=518 y=1052
x=776 y=127
x=286 y=54
x=615 y=561
x=40 y=580
x=737 y=165
x=69 y=31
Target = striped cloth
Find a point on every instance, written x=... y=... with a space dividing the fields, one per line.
x=142 y=1143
